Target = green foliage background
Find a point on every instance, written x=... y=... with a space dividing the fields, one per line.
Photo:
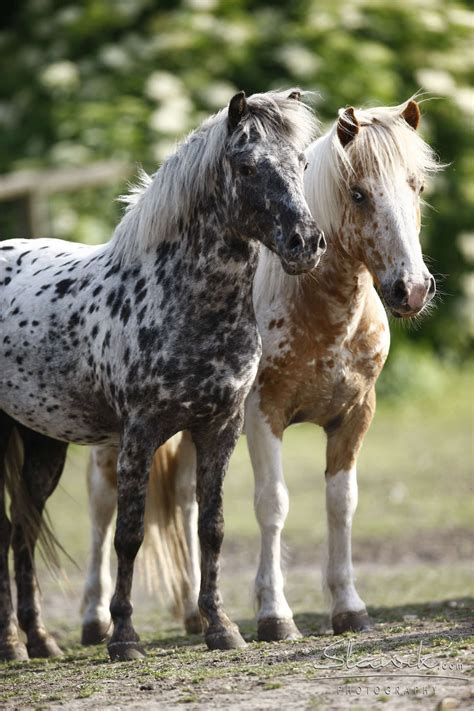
x=126 y=78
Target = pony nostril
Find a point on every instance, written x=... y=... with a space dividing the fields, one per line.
x=295 y=243
x=322 y=244
x=399 y=291
x=432 y=287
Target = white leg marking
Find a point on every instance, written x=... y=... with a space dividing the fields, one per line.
x=186 y=500
x=102 y=505
x=341 y=503
x=271 y=507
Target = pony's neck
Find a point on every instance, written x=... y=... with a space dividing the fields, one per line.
x=214 y=245
x=338 y=288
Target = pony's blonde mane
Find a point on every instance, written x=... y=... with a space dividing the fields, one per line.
x=157 y=204
x=384 y=144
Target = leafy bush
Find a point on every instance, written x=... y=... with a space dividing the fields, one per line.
x=113 y=78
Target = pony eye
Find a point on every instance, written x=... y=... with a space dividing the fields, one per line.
x=357 y=196
x=422 y=187
x=306 y=165
x=247 y=170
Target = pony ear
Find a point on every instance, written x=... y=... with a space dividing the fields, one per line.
x=237 y=109
x=347 y=126
x=295 y=94
x=411 y=114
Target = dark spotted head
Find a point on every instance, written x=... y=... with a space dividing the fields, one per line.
x=265 y=158
x=240 y=173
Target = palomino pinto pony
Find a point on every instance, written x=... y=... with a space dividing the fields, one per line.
x=325 y=338
x=127 y=343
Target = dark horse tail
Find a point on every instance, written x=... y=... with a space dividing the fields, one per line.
x=26 y=511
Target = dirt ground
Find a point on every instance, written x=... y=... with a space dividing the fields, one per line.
x=419 y=656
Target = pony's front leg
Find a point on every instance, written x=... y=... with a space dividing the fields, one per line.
x=135 y=457
x=186 y=500
x=214 y=448
x=348 y=612
x=102 y=491
x=275 y=618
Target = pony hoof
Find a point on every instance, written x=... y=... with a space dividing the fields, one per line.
x=95 y=632
x=125 y=651
x=193 y=623
x=274 y=629
x=227 y=638
x=351 y=622
x=13 y=652
x=44 y=647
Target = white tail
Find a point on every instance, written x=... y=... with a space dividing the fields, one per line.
x=164 y=558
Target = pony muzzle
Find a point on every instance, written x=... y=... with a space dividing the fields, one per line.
x=406 y=297
x=301 y=252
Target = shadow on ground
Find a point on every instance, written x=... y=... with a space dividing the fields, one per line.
x=456 y=613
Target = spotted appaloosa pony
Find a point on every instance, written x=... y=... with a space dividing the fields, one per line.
x=325 y=338
x=155 y=332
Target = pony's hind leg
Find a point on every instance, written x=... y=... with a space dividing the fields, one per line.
x=43 y=465
x=213 y=449
x=186 y=500
x=274 y=618
x=11 y=648
x=102 y=489
x=348 y=612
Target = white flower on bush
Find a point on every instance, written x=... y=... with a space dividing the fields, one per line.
x=218 y=94
x=466 y=304
x=464 y=98
x=173 y=117
x=299 y=60
x=436 y=80
x=202 y=5
x=442 y=82
x=64 y=222
x=433 y=21
x=460 y=16
x=465 y=242
x=114 y=57
x=60 y=75
x=163 y=85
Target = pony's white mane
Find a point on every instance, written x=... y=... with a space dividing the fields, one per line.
x=156 y=204
x=384 y=143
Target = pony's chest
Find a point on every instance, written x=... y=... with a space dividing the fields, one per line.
x=311 y=377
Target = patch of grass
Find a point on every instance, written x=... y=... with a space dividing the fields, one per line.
x=189 y=699
x=87 y=691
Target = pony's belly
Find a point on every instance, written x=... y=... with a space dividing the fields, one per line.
x=321 y=401
x=62 y=426
x=57 y=410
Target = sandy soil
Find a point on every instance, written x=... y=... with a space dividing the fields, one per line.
x=386 y=667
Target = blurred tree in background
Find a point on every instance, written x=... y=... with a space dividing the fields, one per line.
x=127 y=78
